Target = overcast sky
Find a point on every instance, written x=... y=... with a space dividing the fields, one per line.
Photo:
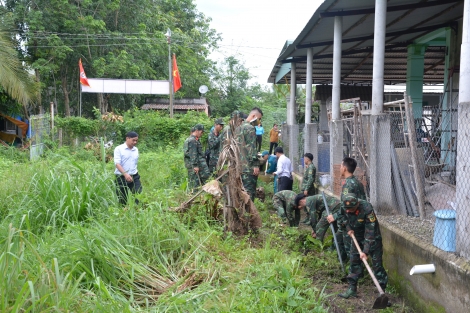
x=256 y=30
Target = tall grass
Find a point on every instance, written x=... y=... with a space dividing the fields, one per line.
x=58 y=197
x=67 y=246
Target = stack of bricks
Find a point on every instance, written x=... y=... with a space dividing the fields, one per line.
x=337 y=180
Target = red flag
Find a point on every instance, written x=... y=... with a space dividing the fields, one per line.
x=176 y=76
x=83 y=79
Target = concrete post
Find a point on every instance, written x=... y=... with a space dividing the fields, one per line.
x=379 y=56
x=337 y=42
x=323 y=116
x=308 y=87
x=336 y=154
x=380 y=169
x=463 y=139
x=294 y=155
x=311 y=141
x=291 y=107
x=449 y=103
x=414 y=77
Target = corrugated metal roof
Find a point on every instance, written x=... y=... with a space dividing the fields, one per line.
x=403 y=28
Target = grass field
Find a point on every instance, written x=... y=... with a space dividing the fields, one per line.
x=67 y=246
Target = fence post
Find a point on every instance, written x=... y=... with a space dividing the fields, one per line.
x=60 y=137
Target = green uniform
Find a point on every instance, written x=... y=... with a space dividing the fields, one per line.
x=215 y=143
x=246 y=138
x=351 y=185
x=316 y=208
x=309 y=180
x=284 y=203
x=367 y=232
x=194 y=157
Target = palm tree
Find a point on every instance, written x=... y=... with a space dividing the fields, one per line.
x=14 y=79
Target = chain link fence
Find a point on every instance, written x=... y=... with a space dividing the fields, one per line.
x=407 y=160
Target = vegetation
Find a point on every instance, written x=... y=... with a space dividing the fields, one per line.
x=67 y=245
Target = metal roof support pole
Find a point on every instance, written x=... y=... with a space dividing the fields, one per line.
x=308 y=130
x=308 y=87
x=463 y=161
x=337 y=41
x=293 y=86
x=336 y=124
x=414 y=77
x=379 y=56
x=379 y=157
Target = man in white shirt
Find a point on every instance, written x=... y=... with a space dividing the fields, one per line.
x=284 y=170
x=125 y=159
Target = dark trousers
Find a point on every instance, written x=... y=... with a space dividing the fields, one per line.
x=272 y=146
x=259 y=139
x=284 y=183
x=124 y=187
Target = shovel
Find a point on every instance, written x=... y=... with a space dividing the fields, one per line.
x=382 y=301
x=333 y=231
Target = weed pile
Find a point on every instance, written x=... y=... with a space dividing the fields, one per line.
x=240 y=213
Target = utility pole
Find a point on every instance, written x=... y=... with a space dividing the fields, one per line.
x=170 y=74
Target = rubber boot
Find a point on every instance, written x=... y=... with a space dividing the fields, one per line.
x=350 y=293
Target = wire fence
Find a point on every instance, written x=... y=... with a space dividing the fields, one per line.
x=407 y=160
x=40 y=130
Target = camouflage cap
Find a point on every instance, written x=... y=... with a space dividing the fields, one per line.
x=350 y=200
x=198 y=127
x=219 y=121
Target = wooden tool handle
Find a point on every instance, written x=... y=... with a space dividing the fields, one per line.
x=367 y=265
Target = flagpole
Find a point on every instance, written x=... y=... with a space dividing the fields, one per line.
x=170 y=74
x=80 y=108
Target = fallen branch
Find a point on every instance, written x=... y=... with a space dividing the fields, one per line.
x=185 y=205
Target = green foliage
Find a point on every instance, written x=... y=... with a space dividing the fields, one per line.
x=114 y=39
x=230 y=83
x=78 y=126
x=156 y=129
x=67 y=193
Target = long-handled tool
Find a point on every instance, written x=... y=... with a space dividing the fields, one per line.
x=382 y=301
x=333 y=231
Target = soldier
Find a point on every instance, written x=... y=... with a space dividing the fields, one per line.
x=351 y=185
x=215 y=143
x=362 y=222
x=284 y=203
x=194 y=161
x=308 y=182
x=246 y=138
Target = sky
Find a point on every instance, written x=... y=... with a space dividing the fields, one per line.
x=256 y=30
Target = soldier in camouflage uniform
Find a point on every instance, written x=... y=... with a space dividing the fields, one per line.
x=362 y=222
x=284 y=203
x=246 y=138
x=350 y=185
x=194 y=161
x=308 y=182
x=215 y=144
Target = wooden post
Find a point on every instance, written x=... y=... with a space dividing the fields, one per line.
x=60 y=137
x=414 y=155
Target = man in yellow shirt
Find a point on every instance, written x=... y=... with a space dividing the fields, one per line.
x=273 y=138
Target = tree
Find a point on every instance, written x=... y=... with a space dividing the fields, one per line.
x=15 y=81
x=115 y=39
x=230 y=83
